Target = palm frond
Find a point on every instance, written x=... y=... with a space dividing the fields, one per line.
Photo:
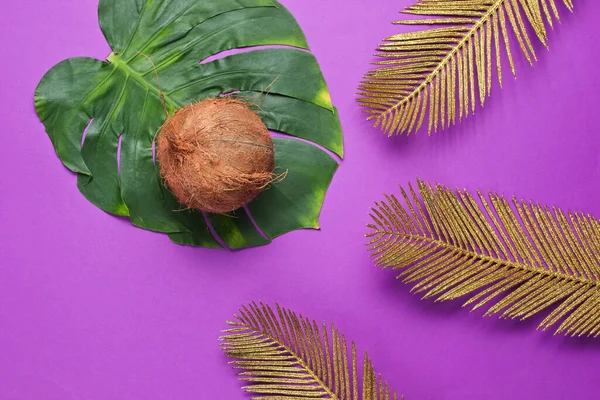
x=518 y=261
x=286 y=356
x=438 y=73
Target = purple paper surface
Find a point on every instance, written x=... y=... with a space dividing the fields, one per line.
x=93 y=308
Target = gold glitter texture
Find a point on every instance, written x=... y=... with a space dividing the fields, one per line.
x=286 y=356
x=517 y=261
x=434 y=73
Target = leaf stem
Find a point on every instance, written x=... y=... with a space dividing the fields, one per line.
x=500 y=261
x=446 y=59
x=124 y=66
x=298 y=359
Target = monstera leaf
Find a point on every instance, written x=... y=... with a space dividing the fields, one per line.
x=287 y=356
x=118 y=105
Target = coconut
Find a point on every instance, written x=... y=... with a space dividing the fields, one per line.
x=215 y=155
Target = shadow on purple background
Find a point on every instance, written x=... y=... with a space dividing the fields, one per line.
x=93 y=308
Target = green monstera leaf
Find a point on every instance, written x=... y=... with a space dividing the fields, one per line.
x=115 y=108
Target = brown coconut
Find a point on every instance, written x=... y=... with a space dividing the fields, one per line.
x=215 y=155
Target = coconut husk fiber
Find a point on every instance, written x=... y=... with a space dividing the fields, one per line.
x=215 y=155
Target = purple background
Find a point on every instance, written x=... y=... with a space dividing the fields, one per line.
x=93 y=308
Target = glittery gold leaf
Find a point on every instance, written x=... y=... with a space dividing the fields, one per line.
x=439 y=73
x=518 y=260
x=286 y=356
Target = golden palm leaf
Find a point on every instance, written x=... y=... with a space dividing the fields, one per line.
x=285 y=356
x=436 y=72
x=520 y=260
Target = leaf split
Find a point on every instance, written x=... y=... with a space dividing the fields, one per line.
x=154 y=69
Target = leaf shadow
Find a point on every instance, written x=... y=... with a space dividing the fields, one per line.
x=393 y=287
x=580 y=343
x=548 y=338
x=488 y=324
x=451 y=136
